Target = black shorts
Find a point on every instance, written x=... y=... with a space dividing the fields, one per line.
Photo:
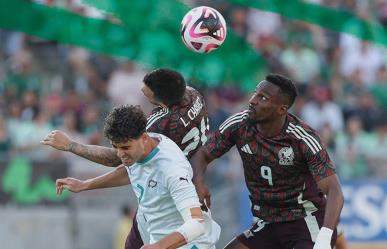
x=134 y=240
x=297 y=234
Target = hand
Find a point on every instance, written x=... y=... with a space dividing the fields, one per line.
x=72 y=184
x=323 y=240
x=203 y=194
x=58 y=140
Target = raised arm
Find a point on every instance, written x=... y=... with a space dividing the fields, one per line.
x=115 y=178
x=199 y=163
x=99 y=154
x=192 y=228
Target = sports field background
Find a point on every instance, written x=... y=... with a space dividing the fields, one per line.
x=65 y=64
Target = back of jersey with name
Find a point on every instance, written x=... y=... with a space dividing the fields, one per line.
x=186 y=123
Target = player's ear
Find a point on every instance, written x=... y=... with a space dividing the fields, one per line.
x=283 y=109
x=163 y=105
x=144 y=136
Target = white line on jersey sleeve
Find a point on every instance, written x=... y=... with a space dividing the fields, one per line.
x=232 y=120
x=154 y=117
x=300 y=133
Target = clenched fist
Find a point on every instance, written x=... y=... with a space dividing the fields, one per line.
x=58 y=140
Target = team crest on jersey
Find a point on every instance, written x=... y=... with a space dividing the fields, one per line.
x=286 y=156
x=152 y=184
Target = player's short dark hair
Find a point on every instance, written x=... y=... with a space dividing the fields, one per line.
x=167 y=85
x=285 y=84
x=125 y=122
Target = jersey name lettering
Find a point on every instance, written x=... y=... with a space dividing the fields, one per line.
x=193 y=112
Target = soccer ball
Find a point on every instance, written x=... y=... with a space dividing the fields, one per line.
x=203 y=29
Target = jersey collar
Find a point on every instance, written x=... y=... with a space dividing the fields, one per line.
x=150 y=156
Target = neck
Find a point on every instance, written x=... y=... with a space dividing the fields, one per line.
x=149 y=146
x=273 y=127
x=163 y=105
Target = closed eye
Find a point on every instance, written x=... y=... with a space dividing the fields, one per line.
x=122 y=147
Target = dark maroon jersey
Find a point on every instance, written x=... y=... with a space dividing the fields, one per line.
x=185 y=123
x=280 y=172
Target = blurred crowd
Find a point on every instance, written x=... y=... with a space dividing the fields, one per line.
x=342 y=82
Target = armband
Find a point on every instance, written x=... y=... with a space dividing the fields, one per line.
x=191 y=229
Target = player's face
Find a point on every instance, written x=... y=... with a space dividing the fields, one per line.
x=265 y=104
x=130 y=151
x=149 y=94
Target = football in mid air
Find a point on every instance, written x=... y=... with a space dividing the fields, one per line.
x=203 y=29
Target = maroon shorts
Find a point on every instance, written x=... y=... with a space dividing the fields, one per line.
x=295 y=234
x=134 y=240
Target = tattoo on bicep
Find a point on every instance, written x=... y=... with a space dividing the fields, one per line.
x=98 y=154
x=108 y=156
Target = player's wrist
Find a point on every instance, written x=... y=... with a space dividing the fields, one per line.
x=198 y=180
x=325 y=232
x=324 y=236
x=71 y=146
x=87 y=185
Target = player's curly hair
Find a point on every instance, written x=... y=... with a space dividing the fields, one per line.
x=167 y=85
x=285 y=84
x=125 y=122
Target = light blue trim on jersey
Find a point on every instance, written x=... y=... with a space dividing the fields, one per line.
x=141 y=192
x=194 y=247
x=150 y=156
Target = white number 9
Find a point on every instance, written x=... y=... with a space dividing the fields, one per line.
x=266 y=174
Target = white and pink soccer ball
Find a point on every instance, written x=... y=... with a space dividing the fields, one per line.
x=203 y=29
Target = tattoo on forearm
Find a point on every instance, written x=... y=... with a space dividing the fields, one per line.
x=98 y=154
x=71 y=147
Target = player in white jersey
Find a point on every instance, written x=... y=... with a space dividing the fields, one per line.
x=180 y=113
x=161 y=176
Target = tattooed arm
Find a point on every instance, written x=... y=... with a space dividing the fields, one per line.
x=99 y=154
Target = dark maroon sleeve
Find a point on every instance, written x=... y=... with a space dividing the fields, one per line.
x=317 y=158
x=222 y=141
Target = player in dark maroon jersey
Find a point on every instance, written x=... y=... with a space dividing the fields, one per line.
x=287 y=172
x=180 y=114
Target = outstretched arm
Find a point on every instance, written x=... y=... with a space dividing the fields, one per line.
x=192 y=228
x=199 y=162
x=115 y=178
x=99 y=154
x=335 y=200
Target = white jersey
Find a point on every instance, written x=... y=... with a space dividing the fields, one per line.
x=163 y=186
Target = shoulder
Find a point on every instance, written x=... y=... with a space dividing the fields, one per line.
x=234 y=122
x=158 y=114
x=303 y=133
x=172 y=163
x=297 y=124
x=192 y=91
x=192 y=106
x=169 y=150
x=192 y=97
